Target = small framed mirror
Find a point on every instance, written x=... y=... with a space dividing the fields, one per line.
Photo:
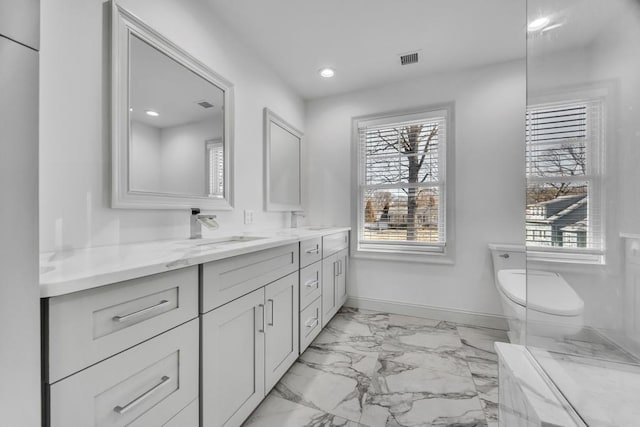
x=282 y=147
x=172 y=123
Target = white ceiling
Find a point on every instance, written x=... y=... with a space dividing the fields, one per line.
x=362 y=39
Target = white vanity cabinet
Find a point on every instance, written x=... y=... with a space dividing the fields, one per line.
x=200 y=345
x=334 y=284
x=334 y=274
x=248 y=343
x=123 y=354
x=144 y=386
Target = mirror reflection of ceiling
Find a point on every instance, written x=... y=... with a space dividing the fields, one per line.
x=160 y=84
x=362 y=39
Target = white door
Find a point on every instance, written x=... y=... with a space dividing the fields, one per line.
x=233 y=360
x=281 y=330
x=329 y=278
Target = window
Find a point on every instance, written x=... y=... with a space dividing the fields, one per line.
x=563 y=213
x=215 y=167
x=402 y=182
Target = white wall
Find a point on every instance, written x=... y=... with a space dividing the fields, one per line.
x=145 y=157
x=74 y=126
x=489 y=181
x=183 y=157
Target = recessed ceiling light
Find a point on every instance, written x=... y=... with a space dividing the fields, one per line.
x=152 y=113
x=538 y=24
x=327 y=73
x=130 y=109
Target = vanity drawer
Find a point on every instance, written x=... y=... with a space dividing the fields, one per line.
x=89 y=326
x=146 y=385
x=333 y=243
x=188 y=417
x=310 y=251
x=310 y=325
x=231 y=278
x=310 y=284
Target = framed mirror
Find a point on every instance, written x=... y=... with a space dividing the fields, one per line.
x=282 y=147
x=172 y=123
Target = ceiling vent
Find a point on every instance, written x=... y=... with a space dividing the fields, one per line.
x=205 y=104
x=409 y=58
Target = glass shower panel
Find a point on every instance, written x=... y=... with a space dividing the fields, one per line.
x=583 y=203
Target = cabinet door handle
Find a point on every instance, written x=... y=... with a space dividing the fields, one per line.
x=261 y=317
x=313 y=251
x=135 y=314
x=312 y=283
x=335 y=269
x=271 y=322
x=121 y=410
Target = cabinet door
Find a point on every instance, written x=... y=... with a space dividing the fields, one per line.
x=341 y=280
x=329 y=278
x=233 y=360
x=281 y=331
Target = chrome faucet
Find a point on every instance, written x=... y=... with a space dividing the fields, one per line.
x=198 y=220
x=294 y=218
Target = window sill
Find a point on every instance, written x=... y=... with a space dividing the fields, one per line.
x=441 y=258
x=565 y=258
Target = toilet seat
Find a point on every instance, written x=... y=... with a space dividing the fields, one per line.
x=549 y=292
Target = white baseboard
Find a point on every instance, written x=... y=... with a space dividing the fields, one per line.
x=457 y=316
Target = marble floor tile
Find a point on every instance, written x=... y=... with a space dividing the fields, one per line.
x=333 y=381
x=385 y=370
x=415 y=334
x=277 y=412
x=353 y=331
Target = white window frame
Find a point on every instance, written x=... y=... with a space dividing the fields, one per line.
x=439 y=253
x=593 y=177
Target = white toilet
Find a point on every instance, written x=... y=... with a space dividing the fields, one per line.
x=555 y=309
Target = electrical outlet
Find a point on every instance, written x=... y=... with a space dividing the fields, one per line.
x=248 y=216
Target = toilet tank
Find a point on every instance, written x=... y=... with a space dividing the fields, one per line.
x=507 y=256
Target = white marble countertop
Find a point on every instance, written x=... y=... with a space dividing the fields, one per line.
x=76 y=270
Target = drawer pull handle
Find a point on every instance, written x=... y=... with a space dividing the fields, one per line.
x=312 y=284
x=315 y=250
x=135 y=314
x=261 y=318
x=121 y=410
x=270 y=301
x=311 y=323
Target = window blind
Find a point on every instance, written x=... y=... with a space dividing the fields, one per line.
x=401 y=182
x=215 y=167
x=563 y=176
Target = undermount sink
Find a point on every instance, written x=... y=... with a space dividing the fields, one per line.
x=226 y=240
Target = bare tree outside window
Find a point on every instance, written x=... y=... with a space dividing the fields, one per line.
x=402 y=180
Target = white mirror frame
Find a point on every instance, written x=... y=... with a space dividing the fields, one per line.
x=269 y=118
x=123 y=25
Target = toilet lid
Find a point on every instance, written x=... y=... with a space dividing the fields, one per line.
x=548 y=292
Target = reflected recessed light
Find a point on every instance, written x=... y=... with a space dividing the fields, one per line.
x=551 y=27
x=327 y=72
x=152 y=113
x=538 y=24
